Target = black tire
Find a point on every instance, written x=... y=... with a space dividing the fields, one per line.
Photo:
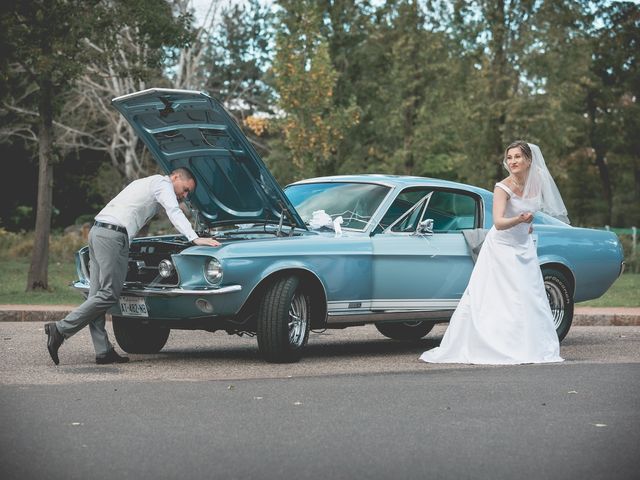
x=137 y=336
x=284 y=321
x=405 y=331
x=560 y=299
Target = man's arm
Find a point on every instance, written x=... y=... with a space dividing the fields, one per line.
x=164 y=194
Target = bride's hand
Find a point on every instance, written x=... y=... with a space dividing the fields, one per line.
x=526 y=217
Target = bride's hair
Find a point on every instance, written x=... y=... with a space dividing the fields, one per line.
x=523 y=146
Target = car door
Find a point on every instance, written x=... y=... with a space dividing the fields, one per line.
x=415 y=271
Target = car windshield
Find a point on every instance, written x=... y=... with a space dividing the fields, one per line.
x=354 y=202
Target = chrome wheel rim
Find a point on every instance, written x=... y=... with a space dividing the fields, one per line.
x=556 y=302
x=298 y=320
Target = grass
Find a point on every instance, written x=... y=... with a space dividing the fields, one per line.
x=14 y=282
x=625 y=292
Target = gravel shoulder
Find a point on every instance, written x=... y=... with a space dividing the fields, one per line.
x=198 y=355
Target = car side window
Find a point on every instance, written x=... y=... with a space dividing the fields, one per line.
x=451 y=211
x=403 y=202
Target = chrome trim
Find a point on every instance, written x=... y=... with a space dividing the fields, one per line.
x=165 y=292
x=392 y=305
x=128 y=96
x=443 y=315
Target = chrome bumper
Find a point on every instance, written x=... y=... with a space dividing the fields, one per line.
x=164 y=292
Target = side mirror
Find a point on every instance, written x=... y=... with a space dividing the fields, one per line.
x=425 y=227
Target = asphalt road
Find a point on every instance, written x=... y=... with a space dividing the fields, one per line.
x=357 y=406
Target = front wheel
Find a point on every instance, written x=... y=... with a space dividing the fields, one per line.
x=136 y=336
x=560 y=300
x=284 y=320
x=405 y=331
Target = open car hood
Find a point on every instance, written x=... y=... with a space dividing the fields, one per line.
x=183 y=128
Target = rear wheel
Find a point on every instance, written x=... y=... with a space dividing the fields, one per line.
x=284 y=320
x=405 y=330
x=138 y=336
x=560 y=300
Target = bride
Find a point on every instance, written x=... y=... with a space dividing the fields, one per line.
x=504 y=316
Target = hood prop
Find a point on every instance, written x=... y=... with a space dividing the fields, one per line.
x=285 y=211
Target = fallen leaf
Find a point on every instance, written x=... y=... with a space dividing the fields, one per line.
x=231 y=387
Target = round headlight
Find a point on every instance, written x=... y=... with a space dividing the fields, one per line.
x=165 y=268
x=213 y=271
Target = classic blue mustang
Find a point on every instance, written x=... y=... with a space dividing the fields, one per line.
x=327 y=252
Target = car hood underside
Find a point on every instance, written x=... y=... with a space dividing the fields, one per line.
x=193 y=130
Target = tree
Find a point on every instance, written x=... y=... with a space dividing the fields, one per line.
x=495 y=36
x=237 y=61
x=45 y=46
x=132 y=59
x=305 y=79
x=412 y=106
x=611 y=103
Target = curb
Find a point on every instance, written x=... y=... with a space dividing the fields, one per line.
x=34 y=313
x=583 y=316
x=607 y=316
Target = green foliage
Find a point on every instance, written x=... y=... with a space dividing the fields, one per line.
x=443 y=87
x=44 y=39
x=239 y=56
x=631 y=254
x=237 y=64
x=305 y=80
x=22 y=217
x=429 y=87
x=625 y=292
x=46 y=45
x=14 y=272
x=19 y=245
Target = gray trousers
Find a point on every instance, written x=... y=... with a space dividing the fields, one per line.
x=108 y=255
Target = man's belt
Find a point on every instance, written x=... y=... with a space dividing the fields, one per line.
x=111 y=227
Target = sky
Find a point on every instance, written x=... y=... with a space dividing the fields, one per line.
x=201 y=6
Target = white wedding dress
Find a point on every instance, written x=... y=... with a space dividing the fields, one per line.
x=503 y=316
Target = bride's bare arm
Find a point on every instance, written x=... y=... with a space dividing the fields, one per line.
x=501 y=222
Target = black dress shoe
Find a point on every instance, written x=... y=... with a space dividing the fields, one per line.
x=54 y=340
x=111 y=357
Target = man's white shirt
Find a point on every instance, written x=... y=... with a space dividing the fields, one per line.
x=134 y=206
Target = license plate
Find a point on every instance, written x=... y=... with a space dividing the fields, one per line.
x=133 y=307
